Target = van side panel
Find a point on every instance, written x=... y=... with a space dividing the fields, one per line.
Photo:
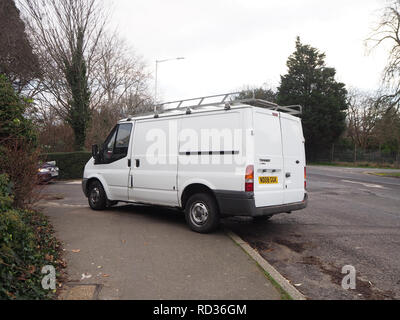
x=154 y=162
x=211 y=150
x=268 y=160
x=294 y=158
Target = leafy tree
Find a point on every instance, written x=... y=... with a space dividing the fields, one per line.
x=311 y=84
x=17 y=61
x=13 y=124
x=258 y=93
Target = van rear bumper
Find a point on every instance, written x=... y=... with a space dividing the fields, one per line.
x=243 y=204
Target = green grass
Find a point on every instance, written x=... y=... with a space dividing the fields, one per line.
x=387 y=174
x=366 y=165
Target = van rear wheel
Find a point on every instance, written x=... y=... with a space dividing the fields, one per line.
x=201 y=213
x=97 y=196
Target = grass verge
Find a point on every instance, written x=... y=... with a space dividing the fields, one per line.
x=371 y=165
x=386 y=174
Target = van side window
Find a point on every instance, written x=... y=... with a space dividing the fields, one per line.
x=122 y=141
x=108 y=147
x=117 y=144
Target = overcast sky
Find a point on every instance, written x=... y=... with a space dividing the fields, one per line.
x=229 y=44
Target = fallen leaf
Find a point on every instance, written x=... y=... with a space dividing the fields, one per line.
x=76 y=251
x=99 y=267
x=297 y=284
x=48 y=257
x=31 y=269
x=106 y=275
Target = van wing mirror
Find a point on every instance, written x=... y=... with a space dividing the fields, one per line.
x=95 y=151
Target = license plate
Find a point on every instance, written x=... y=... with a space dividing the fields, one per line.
x=268 y=180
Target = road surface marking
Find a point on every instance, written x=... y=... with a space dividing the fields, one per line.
x=74 y=182
x=368 y=185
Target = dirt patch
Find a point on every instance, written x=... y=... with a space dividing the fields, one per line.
x=365 y=288
x=295 y=246
x=260 y=245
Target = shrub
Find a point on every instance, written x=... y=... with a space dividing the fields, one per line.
x=20 y=162
x=71 y=164
x=26 y=245
x=12 y=110
x=18 y=144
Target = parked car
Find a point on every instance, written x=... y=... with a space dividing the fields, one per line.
x=47 y=171
x=242 y=158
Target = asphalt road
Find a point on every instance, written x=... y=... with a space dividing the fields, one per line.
x=353 y=219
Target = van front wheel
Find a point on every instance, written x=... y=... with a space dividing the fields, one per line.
x=97 y=196
x=201 y=213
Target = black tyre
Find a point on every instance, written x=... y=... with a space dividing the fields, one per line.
x=97 y=196
x=262 y=219
x=201 y=213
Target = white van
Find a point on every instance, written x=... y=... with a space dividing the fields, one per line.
x=212 y=160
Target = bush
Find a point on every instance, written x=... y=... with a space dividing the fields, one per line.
x=20 y=162
x=13 y=123
x=27 y=244
x=71 y=164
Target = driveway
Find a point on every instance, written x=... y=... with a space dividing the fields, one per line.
x=353 y=218
x=139 y=252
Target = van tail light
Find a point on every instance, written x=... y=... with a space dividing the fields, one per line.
x=249 y=179
x=305 y=178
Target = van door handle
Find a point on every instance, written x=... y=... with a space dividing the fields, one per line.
x=137 y=163
x=297 y=161
x=288 y=175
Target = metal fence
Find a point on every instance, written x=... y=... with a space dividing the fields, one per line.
x=357 y=156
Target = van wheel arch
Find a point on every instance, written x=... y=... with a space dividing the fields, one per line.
x=196 y=188
x=90 y=182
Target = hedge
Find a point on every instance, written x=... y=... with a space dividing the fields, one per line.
x=71 y=164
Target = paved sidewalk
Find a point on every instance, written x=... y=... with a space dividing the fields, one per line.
x=138 y=252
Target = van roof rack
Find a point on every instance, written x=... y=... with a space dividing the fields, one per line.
x=224 y=100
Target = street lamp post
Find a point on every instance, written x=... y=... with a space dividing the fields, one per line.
x=156 y=80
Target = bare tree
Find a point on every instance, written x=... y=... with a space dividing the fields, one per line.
x=387 y=32
x=66 y=34
x=86 y=70
x=122 y=77
x=362 y=117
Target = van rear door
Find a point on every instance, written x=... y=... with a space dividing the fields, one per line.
x=294 y=158
x=268 y=163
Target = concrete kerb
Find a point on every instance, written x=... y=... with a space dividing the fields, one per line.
x=282 y=281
